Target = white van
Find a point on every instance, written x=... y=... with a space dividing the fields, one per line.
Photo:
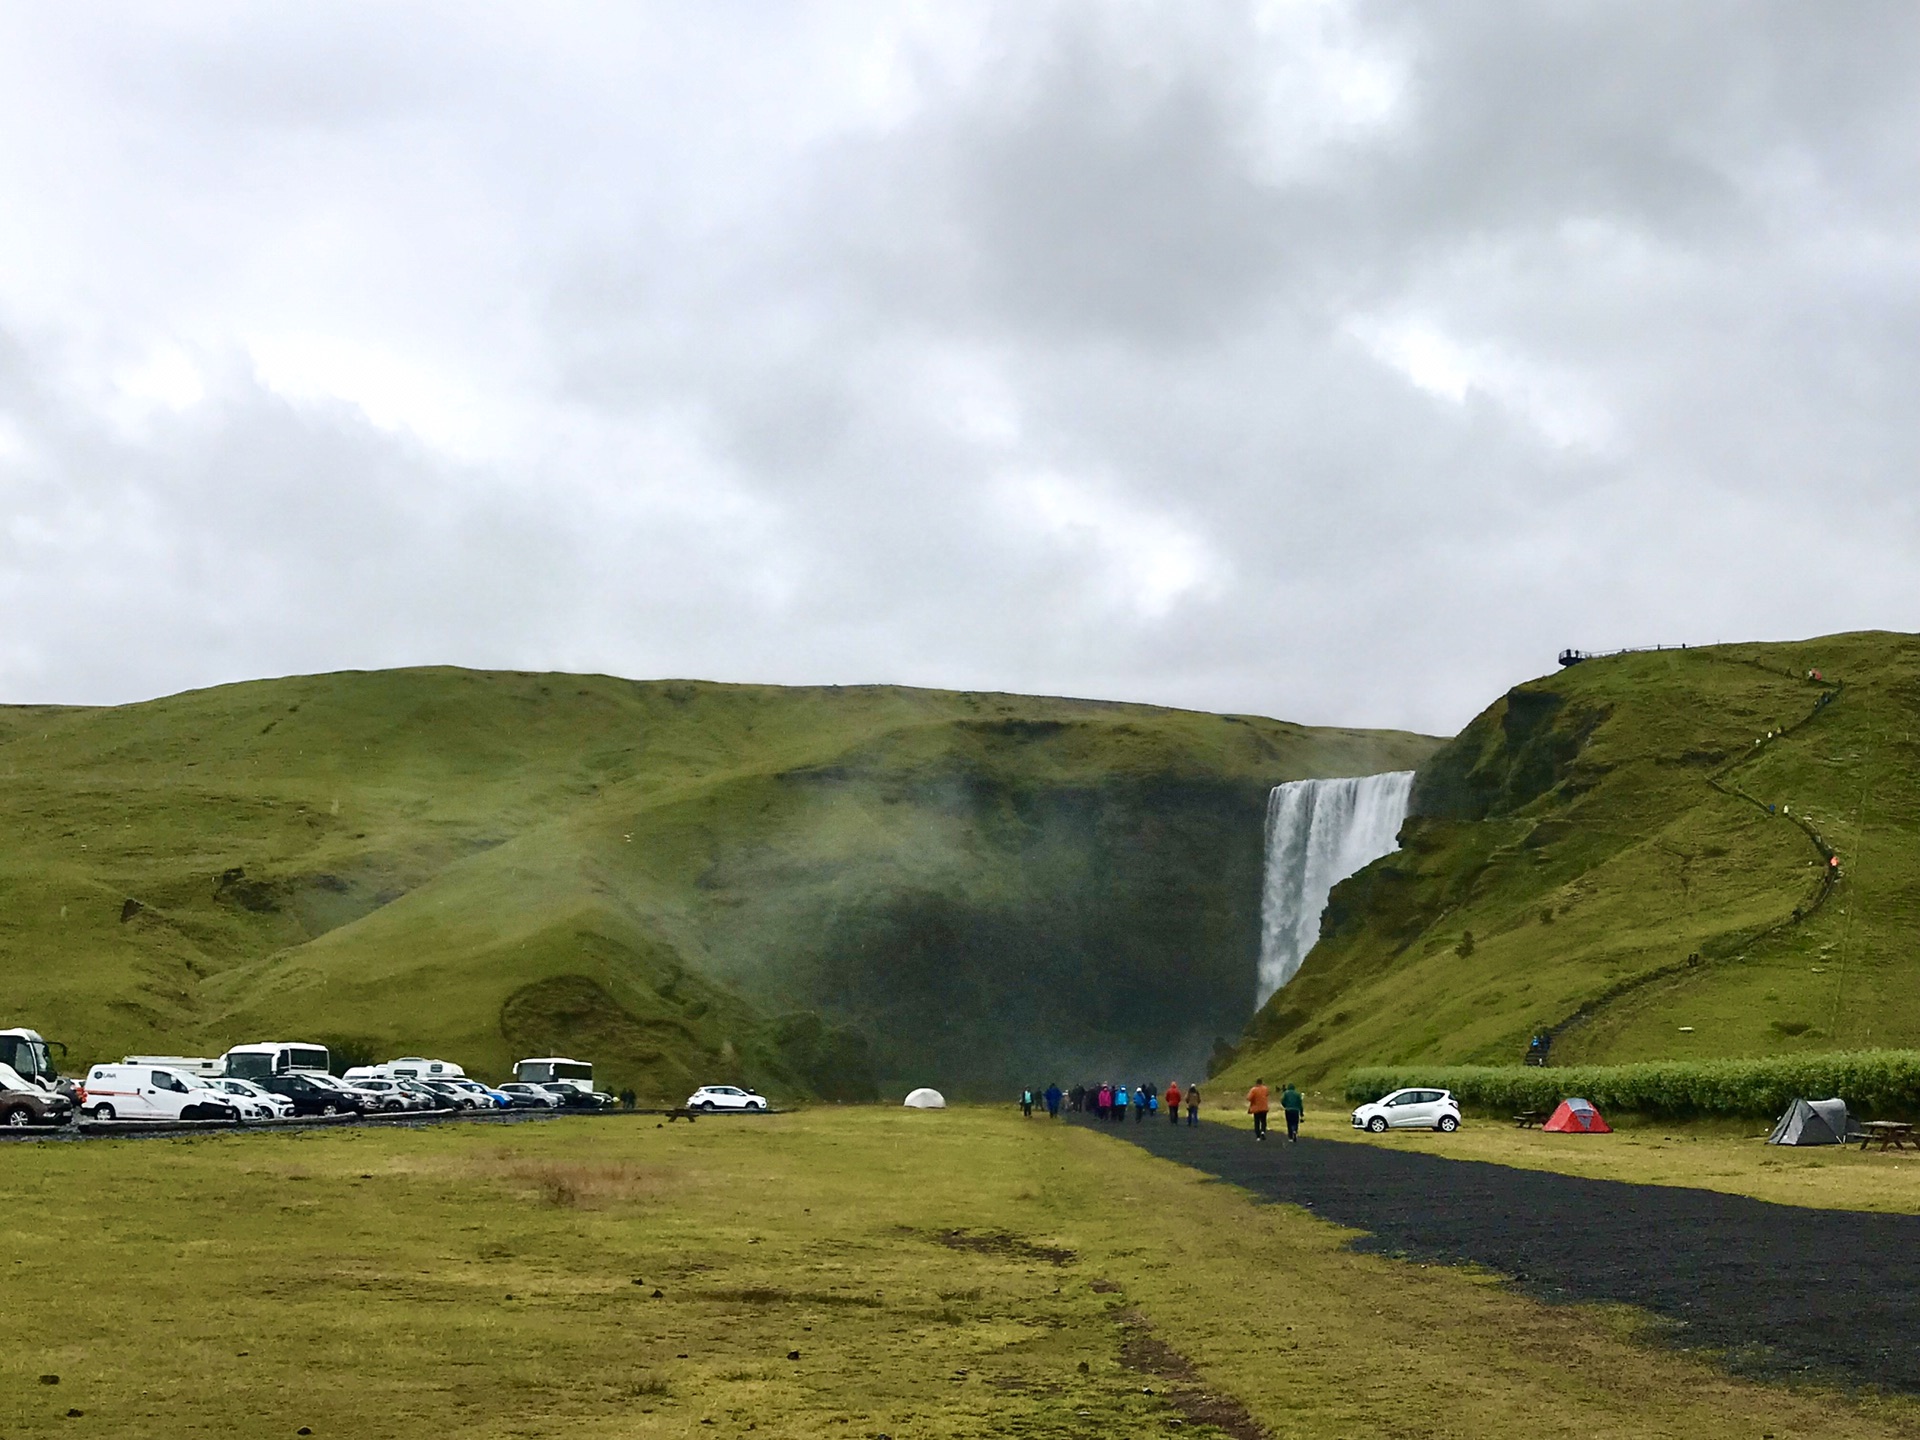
x=556 y=1070
x=151 y=1092
x=279 y=1057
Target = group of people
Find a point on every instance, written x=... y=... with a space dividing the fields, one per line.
x=1113 y=1102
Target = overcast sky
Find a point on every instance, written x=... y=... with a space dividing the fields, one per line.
x=1334 y=362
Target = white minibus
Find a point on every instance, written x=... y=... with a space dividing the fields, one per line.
x=279 y=1057
x=556 y=1070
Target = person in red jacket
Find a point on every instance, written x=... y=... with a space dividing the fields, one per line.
x=1173 y=1101
x=1257 y=1107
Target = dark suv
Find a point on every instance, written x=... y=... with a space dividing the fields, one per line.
x=310 y=1097
x=19 y=1108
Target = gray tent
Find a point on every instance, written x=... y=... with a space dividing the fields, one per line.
x=1813 y=1122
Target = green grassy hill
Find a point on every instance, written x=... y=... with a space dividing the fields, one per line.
x=1631 y=852
x=815 y=890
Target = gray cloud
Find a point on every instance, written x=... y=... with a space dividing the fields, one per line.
x=1337 y=362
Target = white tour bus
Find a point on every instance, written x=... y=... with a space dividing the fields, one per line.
x=26 y=1060
x=280 y=1057
x=556 y=1070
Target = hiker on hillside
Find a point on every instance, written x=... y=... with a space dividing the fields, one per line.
x=628 y=1099
x=1295 y=1106
x=1193 y=1105
x=1104 y=1110
x=1257 y=1107
x=1173 y=1101
x=1120 y=1102
x=1026 y=1102
x=1153 y=1102
x=1053 y=1098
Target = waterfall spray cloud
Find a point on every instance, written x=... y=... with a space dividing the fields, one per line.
x=1318 y=833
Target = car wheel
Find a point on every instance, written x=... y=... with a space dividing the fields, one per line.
x=1449 y=1124
x=706 y=1105
x=103 y=1111
x=1377 y=1124
x=18 y=1119
x=329 y=1108
x=756 y=1105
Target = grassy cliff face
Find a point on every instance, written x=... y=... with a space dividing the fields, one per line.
x=1631 y=852
x=815 y=890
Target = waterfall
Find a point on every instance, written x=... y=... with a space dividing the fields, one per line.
x=1318 y=833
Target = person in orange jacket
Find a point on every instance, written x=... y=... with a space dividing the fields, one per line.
x=1257 y=1107
x=1173 y=1101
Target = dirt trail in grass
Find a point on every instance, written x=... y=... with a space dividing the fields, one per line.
x=1779 y=1289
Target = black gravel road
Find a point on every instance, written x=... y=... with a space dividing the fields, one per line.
x=1778 y=1289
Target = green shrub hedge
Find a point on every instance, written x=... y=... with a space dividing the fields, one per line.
x=1872 y=1082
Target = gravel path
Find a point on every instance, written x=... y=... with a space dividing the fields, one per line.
x=1781 y=1290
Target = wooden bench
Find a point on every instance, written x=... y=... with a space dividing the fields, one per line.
x=1527 y=1119
x=1895 y=1133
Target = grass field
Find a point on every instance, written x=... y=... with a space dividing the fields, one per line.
x=841 y=1272
x=809 y=889
x=1629 y=852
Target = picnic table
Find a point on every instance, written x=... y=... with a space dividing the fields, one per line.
x=1527 y=1119
x=1888 y=1132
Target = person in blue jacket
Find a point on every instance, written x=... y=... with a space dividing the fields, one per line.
x=1119 y=1102
x=1054 y=1097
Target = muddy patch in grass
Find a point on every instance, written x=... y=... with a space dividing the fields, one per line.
x=586 y=1186
x=1004 y=1243
x=1145 y=1353
x=774 y=1295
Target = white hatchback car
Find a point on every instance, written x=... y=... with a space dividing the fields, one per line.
x=1410 y=1109
x=254 y=1103
x=726 y=1097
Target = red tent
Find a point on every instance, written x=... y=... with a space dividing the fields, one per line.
x=1577 y=1117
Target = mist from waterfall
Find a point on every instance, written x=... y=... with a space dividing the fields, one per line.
x=1318 y=833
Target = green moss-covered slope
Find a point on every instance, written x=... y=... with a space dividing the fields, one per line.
x=816 y=890
x=1595 y=853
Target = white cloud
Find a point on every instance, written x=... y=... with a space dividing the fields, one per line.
x=1335 y=360
x=1139 y=560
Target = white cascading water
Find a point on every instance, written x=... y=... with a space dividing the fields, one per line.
x=1318 y=833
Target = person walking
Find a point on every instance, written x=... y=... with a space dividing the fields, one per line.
x=1054 y=1097
x=1193 y=1105
x=1153 y=1103
x=1295 y=1106
x=1173 y=1101
x=1120 y=1102
x=1103 y=1103
x=1026 y=1102
x=1257 y=1107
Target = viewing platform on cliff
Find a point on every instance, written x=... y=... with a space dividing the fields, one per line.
x=1574 y=657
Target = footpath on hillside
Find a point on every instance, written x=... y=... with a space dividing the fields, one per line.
x=1779 y=1291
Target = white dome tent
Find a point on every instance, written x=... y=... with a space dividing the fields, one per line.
x=925 y=1099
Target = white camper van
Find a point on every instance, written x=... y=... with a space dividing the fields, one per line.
x=151 y=1092
x=407 y=1067
x=556 y=1070
x=193 y=1064
x=278 y=1057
